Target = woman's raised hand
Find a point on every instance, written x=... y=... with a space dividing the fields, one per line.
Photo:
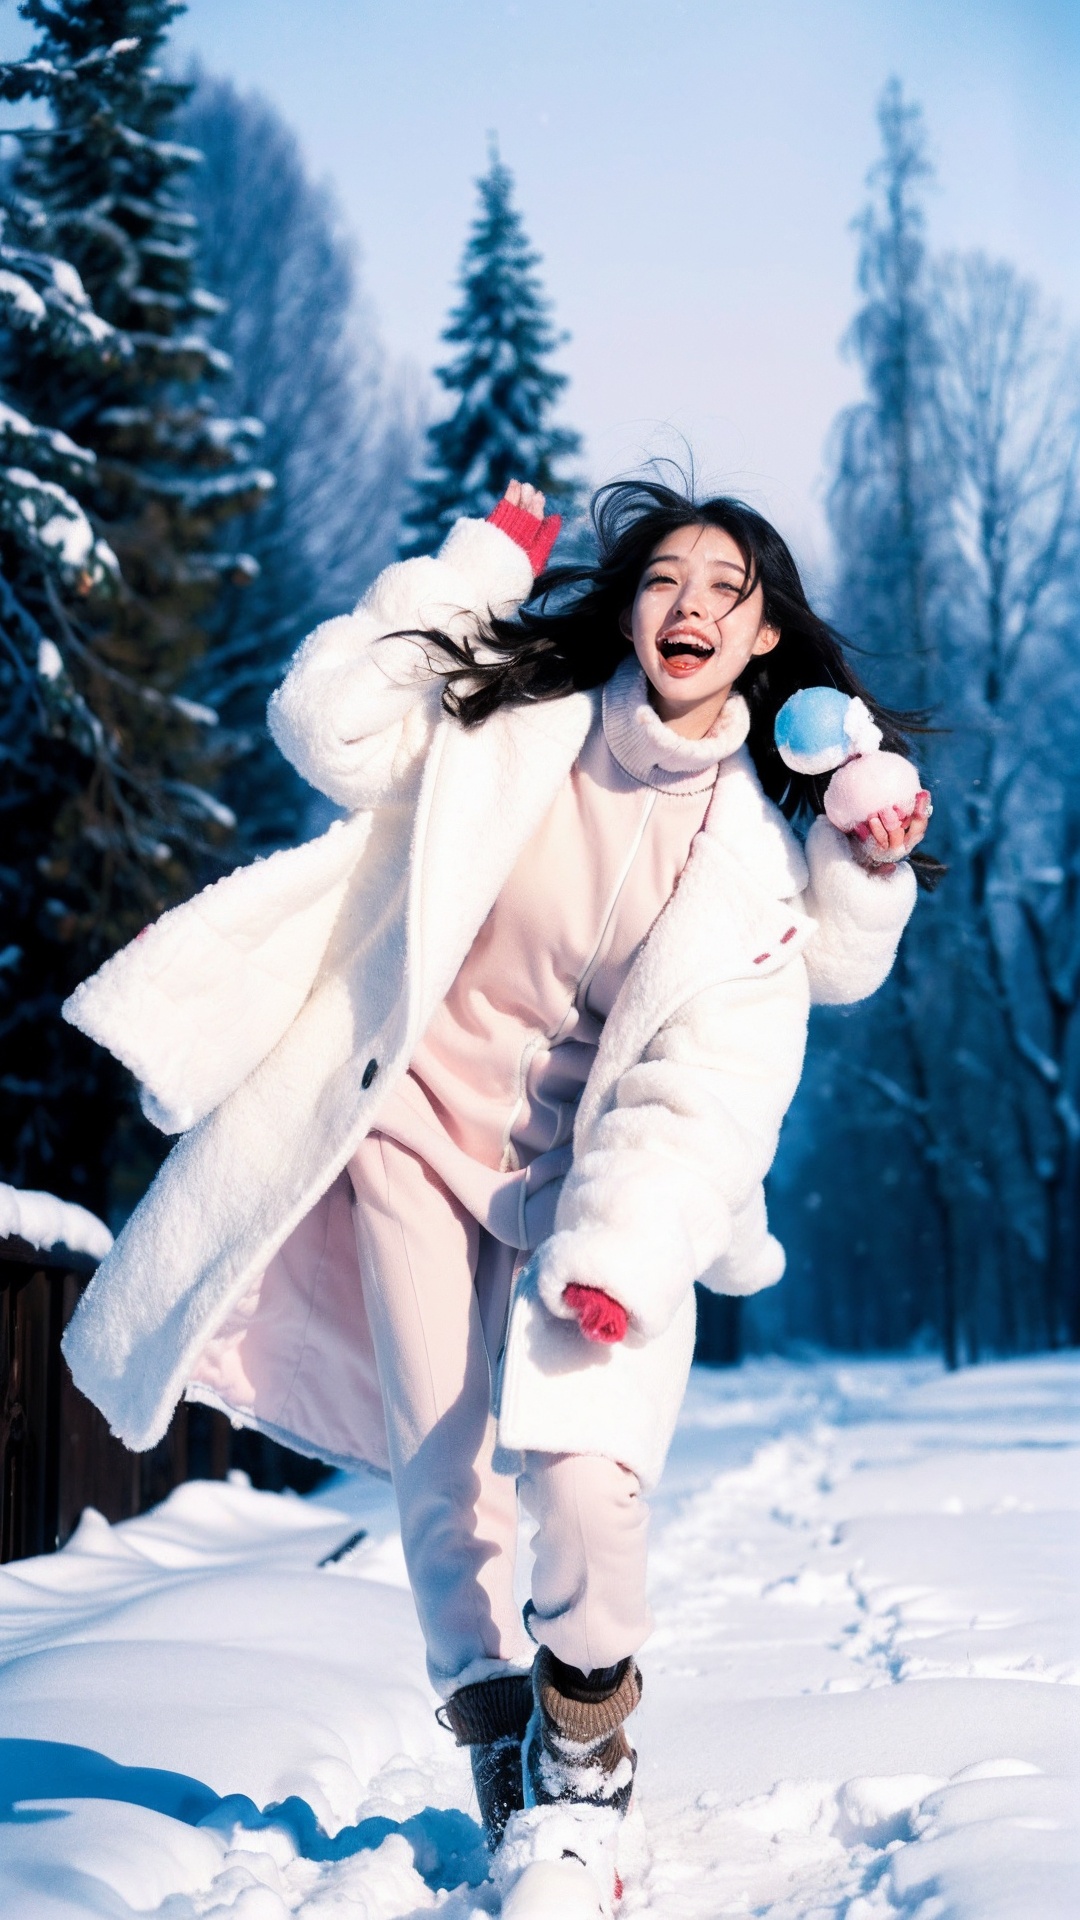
x=890 y=834
x=520 y=515
x=530 y=499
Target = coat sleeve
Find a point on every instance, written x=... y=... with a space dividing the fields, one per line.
x=359 y=702
x=860 y=917
x=649 y=1204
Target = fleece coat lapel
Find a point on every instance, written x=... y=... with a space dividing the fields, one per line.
x=731 y=914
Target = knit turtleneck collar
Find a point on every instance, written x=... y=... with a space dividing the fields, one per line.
x=652 y=752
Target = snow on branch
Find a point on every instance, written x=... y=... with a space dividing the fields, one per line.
x=42 y=514
x=167 y=150
x=202 y=802
x=17 y=431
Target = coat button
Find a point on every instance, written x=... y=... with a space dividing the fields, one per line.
x=370 y=1071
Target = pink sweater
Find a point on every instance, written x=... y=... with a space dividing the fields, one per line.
x=492 y=1091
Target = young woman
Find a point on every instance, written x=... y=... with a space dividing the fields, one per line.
x=477 y=1086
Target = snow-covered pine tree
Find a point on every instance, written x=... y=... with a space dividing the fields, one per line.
x=119 y=472
x=499 y=429
x=52 y=742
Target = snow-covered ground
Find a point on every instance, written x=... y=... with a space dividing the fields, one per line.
x=861 y=1694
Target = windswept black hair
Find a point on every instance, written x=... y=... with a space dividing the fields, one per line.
x=567 y=636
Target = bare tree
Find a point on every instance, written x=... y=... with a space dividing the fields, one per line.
x=889 y=506
x=1010 y=395
x=952 y=1098
x=889 y=493
x=340 y=431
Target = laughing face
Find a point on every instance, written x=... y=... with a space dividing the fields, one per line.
x=690 y=629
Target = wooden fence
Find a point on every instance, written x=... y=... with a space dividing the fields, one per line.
x=57 y=1455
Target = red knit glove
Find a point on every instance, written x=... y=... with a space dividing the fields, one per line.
x=599 y=1316
x=535 y=537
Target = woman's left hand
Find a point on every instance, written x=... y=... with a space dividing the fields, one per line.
x=599 y=1316
x=890 y=834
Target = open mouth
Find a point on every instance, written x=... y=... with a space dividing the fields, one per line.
x=684 y=653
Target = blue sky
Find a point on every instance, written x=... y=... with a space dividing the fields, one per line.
x=688 y=170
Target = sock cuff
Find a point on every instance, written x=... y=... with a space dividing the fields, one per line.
x=585 y=1708
x=497 y=1708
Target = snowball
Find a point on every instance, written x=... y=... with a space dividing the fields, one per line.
x=863 y=787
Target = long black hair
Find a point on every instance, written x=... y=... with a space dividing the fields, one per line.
x=567 y=634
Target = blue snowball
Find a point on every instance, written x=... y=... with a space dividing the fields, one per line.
x=810 y=729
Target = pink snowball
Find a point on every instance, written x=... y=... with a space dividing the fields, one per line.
x=864 y=786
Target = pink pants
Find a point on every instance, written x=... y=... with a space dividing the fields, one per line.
x=437 y=1288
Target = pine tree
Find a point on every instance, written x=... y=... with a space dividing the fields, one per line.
x=52 y=742
x=121 y=473
x=499 y=429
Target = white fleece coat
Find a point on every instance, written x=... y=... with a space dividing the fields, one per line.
x=269 y=1017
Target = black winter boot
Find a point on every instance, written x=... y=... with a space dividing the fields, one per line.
x=490 y=1718
x=576 y=1752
